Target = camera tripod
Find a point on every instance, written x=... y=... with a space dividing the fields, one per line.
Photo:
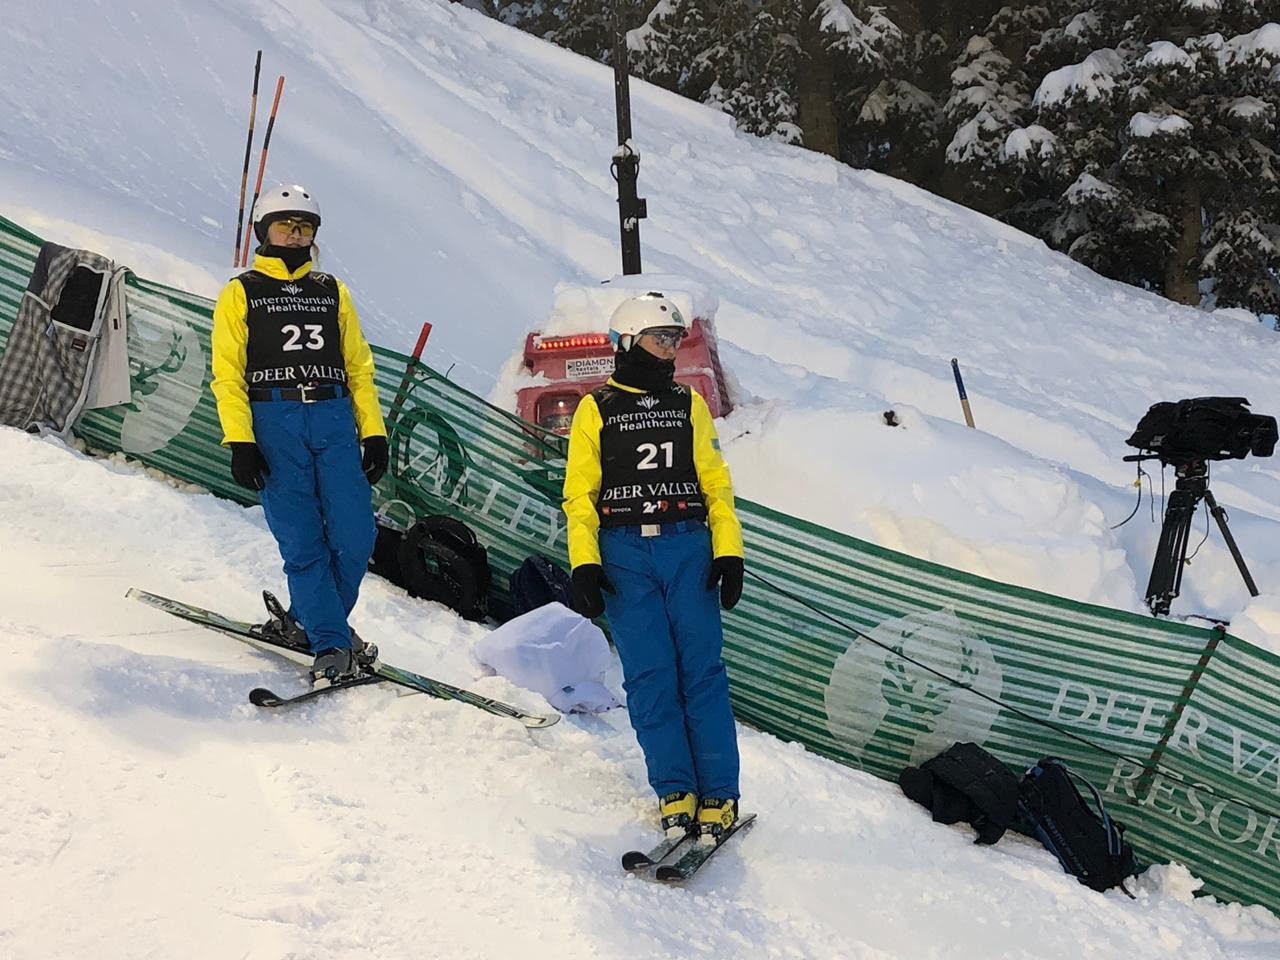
x=1171 y=554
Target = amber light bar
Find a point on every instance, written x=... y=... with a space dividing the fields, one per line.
x=567 y=343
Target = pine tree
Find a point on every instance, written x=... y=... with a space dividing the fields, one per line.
x=759 y=60
x=670 y=48
x=1177 y=129
x=532 y=16
x=1242 y=259
x=886 y=121
x=994 y=152
x=587 y=26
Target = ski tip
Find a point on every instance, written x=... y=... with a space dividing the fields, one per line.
x=262 y=697
x=539 y=723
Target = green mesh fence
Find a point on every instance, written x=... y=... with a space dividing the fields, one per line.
x=1175 y=724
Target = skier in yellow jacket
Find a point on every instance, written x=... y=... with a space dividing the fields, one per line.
x=652 y=533
x=293 y=378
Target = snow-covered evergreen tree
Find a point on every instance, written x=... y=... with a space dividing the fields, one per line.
x=672 y=47
x=757 y=65
x=994 y=153
x=587 y=26
x=886 y=121
x=1154 y=147
x=1242 y=258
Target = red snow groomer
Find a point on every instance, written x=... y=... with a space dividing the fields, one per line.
x=574 y=364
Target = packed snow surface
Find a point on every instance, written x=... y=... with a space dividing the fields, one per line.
x=463 y=173
x=151 y=812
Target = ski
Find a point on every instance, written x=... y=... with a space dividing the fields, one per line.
x=447 y=691
x=262 y=697
x=690 y=862
x=634 y=860
x=405 y=678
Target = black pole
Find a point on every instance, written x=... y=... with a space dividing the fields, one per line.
x=625 y=166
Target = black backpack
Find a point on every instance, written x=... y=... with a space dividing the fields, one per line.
x=438 y=558
x=537 y=582
x=1090 y=846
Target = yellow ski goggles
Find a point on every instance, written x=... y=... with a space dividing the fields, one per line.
x=305 y=227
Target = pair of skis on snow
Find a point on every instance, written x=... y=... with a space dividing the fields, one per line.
x=660 y=863
x=692 y=855
x=374 y=673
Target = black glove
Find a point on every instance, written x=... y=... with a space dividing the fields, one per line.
x=248 y=465
x=376 y=457
x=588 y=581
x=727 y=571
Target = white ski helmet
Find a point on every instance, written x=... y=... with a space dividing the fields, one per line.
x=642 y=313
x=283 y=200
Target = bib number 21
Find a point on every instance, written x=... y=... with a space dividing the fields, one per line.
x=649 y=455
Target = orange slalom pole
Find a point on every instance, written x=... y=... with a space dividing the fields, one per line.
x=262 y=167
x=248 y=148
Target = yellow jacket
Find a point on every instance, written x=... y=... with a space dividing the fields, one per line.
x=582 y=481
x=230 y=343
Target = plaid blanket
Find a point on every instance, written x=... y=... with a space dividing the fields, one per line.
x=48 y=360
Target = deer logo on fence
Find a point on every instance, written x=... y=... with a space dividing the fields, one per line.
x=889 y=694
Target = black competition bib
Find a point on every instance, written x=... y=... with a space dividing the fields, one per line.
x=646 y=457
x=294 y=337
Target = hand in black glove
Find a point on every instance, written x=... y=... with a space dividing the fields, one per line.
x=248 y=465
x=727 y=571
x=588 y=581
x=376 y=457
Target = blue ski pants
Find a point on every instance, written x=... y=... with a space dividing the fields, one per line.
x=666 y=628
x=319 y=507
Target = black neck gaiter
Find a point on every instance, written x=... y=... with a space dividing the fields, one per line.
x=640 y=369
x=293 y=257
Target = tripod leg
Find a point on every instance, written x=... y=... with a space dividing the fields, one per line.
x=1221 y=516
x=1171 y=553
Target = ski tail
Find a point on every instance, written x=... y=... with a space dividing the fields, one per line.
x=634 y=860
x=262 y=697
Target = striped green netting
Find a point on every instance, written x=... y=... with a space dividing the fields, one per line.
x=1176 y=724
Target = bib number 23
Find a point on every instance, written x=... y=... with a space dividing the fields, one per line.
x=315 y=339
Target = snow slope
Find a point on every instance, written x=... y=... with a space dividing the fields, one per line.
x=149 y=812
x=463 y=171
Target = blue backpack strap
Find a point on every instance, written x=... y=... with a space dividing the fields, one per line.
x=1114 y=838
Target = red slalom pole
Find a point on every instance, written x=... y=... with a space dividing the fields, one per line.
x=262 y=167
x=248 y=148
x=409 y=369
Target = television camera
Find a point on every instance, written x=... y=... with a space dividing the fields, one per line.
x=1186 y=435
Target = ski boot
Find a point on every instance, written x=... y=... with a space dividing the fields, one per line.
x=282 y=628
x=677 y=811
x=366 y=654
x=333 y=666
x=715 y=816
